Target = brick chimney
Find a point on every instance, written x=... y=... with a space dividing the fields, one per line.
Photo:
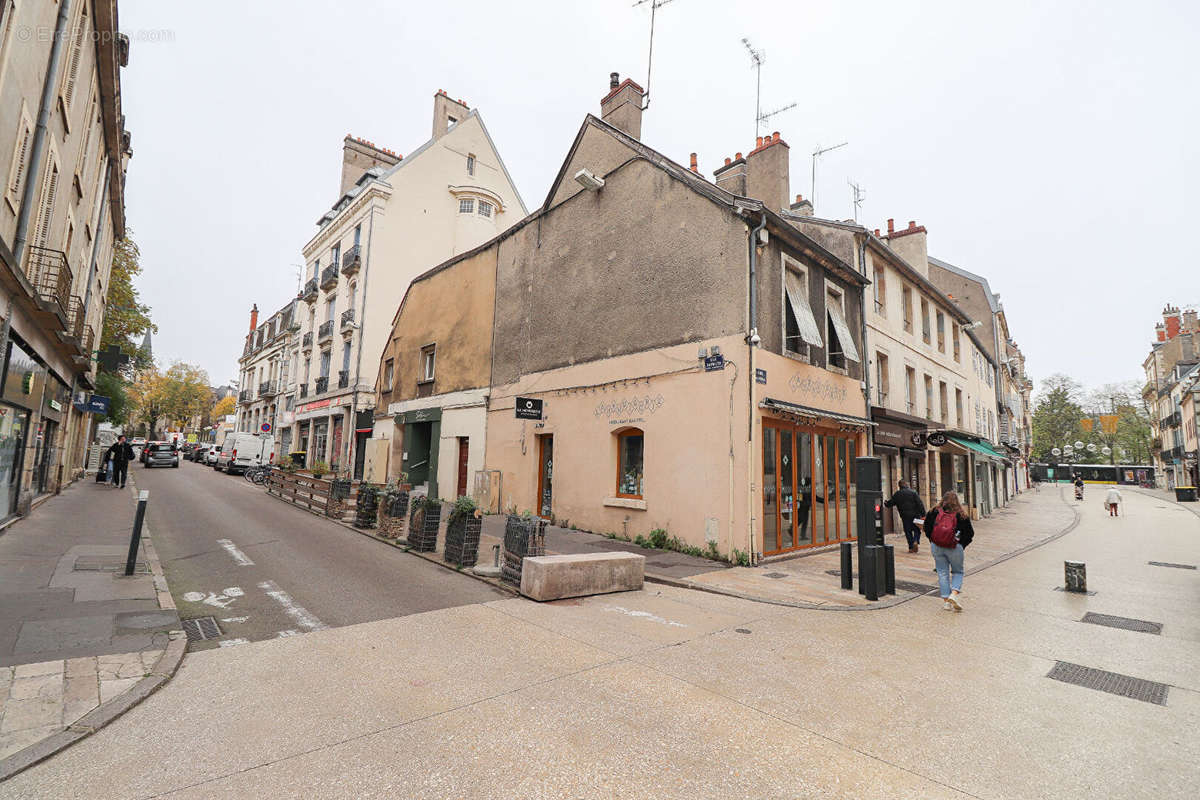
x=358 y=156
x=910 y=244
x=1160 y=332
x=254 y=318
x=1189 y=321
x=447 y=113
x=731 y=176
x=767 y=177
x=622 y=106
x=805 y=208
x=1172 y=321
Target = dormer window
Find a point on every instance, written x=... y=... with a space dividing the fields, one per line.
x=466 y=205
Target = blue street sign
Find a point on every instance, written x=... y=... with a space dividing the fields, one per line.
x=760 y=375
x=714 y=363
x=94 y=404
x=265 y=427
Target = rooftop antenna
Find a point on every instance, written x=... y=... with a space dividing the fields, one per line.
x=820 y=151
x=857 y=195
x=654 y=6
x=758 y=57
x=766 y=115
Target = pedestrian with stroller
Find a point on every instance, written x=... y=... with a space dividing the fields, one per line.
x=909 y=504
x=949 y=530
x=1112 y=501
x=1078 y=487
x=120 y=454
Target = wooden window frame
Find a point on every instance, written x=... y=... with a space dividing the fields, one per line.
x=389 y=375
x=429 y=350
x=941 y=331
x=466 y=205
x=485 y=208
x=880 y=292
x=621 y=436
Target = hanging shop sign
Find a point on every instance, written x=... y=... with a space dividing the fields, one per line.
x=936 y=439
x=528 y=408
x=916 y=439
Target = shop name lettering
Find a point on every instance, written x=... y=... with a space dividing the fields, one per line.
x=813 y=387
x=629 y=407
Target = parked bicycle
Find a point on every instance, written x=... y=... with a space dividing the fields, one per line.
x=258 y=475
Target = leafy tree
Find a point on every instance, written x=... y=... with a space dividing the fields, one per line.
x=187 y=393
x=126 y=318
x=113 y=386
x=148 y=396
x=1057 y=416
x=224 y=406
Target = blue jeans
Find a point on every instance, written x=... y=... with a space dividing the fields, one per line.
x=949 y=563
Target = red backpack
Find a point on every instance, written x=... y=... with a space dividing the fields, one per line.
x=943 y=530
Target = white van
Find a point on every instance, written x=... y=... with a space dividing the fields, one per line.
x=241 y=450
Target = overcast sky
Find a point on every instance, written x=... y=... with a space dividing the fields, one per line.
x=1047 y=146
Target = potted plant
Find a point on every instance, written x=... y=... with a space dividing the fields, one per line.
x=423 y=524
x=524 y=536
x=319 y=469
x=393 y=508
x=463 y=527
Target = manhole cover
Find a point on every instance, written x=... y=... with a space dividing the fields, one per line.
x=909 y=586
x=1169 y=564
x=1111 y=682
x=776 y=575
x=1124 y=623
x=200 y=628
x=109 y=564
x=741 y=630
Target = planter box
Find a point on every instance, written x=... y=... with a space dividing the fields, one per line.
x=523 y=537
x=365 y=505
x=392 y=516
x=462 y=541
x=423 y=527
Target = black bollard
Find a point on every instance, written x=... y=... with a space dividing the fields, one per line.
x=889 y=569
x=847 y=566
x=136 y=540
x=867 y=584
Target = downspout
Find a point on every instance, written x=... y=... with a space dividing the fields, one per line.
x=752 y=342
x=362 y=328
x=35 y=159
x=87 y=295
x=866 y=361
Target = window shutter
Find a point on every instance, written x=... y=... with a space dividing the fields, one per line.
x=76 y=52
x=49 y=194
x=798 y=299
x=842 y=329
x=19 y=156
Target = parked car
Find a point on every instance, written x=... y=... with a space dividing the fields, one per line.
x=241 y=450
x=210 y=455
x=146 y=449
x=199 y=452
x=161 y=454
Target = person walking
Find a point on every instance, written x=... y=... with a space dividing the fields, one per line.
x=949 y=530
x=909 y=504
x=1078 y=487
x=1112 y=500
x=120 y=454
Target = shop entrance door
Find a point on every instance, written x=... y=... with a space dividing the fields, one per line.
x=808 y=487
x=463 y=452
x=545 y=475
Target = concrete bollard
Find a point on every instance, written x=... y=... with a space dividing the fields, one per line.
x=1075 y=575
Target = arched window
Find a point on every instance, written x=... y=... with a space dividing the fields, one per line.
x=630 y=451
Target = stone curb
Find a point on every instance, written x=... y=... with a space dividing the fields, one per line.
x=684 y=583
x=1185 y=506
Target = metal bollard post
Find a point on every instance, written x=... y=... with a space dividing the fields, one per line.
x=495 y=555
x=847 y=566
x=866 y=572
x=136 y=540
x=889 y=569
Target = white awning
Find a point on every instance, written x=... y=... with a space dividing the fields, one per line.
x=809 y=330
x=843 y=330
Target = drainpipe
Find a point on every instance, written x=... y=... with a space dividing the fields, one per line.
x=35 y=159
x=866 y=361
x=87 y=293
x=752 y=342
x=362 y=328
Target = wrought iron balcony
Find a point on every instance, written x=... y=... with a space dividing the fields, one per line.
x=352 y=260
x=343 y=378
x=348 y=319
x=322 y=384
x=325 y=331
x=306 y=341
x=329 y=277
x=244 y=396
x=51 y=277
x=1171 y=421
x=268 y=388
x=309 y=294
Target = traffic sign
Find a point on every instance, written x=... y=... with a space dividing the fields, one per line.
x=265 y=427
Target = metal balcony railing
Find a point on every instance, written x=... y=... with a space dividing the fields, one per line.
x=352 y=260
x=51 y=277
x=306 y=341
x=89 y=343
x=325 y=331
x=267 y=388
x=343 y=378
x=348 y=318
x=329 y=276
x=244 y=396
x=309 y=293
x=322 y=384
x=1171 y=420
x=75 y=319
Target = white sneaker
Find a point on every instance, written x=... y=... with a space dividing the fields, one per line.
x=952 y=600
x=946 y=605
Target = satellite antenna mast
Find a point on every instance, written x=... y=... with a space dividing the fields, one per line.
x=758 y=57
x=654 y=6
x=857 y=195
x=820 y=151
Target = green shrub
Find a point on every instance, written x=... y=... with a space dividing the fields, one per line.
x=319 y=468
x=462 y=508
x=658 y=539
x=739 y=558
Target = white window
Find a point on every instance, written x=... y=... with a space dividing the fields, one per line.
x=466 y=205
x=485 y=208
x=389 y=374
x=470 y=163
x=428 y=356
x=19 y=168
x=841 y=343
x=800 y=326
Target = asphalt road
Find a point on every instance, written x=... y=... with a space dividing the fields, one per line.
x=264 y=569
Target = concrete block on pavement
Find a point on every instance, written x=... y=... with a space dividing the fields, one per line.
x=578 y=575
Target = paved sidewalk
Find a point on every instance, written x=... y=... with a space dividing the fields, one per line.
x=75 y=633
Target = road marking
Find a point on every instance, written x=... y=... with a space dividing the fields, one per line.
x=646 y=615
x=234 y=619
x=287 y=633
x=237 y=555
x=233 y=642
x=297 y=612
x=221 y=600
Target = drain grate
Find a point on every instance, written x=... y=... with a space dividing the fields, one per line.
x=910 y=586
x=776 y=575
x=200 y=628
x=1169 y=564
x=1124 y=623
x=1111 y=682
x=108 y=564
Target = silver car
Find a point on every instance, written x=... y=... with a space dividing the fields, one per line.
x=161 y=454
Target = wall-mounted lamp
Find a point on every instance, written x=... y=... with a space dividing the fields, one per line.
x=589 y=181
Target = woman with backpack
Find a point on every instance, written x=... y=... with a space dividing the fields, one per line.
x=949 y=531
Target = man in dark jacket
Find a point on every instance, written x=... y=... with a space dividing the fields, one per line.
x=120 y=454
x=909 y=504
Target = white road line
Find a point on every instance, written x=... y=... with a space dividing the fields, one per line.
x=237 y=555
x=234 y=619
x=233 y=642
x=297 y=612
x=287 y=633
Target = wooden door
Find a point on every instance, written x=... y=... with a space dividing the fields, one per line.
x=463 y=449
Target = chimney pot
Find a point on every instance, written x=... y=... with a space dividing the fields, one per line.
x=799 y=198
x=254 y=317
x=693 y=164
x=728 y=161
x=877 y=231
x=614 y=80
x=775 y=136
x=912 y=223
x=891 y=226
x=737 y=156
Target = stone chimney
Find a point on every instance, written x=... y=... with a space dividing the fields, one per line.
x=254 y=318
x=1189 y=321
x=910 y=244
x=805 y=208
x=731 y=176
x=767 y=177
x=622 y=106
x=1172 y=321
x=358 y=156
x=1160 y=332
x=447 y=113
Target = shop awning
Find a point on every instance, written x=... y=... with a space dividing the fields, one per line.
x=978 y=447
x=815 y=414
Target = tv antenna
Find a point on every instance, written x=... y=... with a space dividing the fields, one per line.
x=654 y=6
x=856 y=197
x=766 y=115
x=820 y=151
x=758 y=57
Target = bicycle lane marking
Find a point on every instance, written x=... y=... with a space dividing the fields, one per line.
x=240 y=558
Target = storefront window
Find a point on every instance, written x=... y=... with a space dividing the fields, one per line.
x=629 y=463
x=804 y=488
x=319 y=435
x=808 y=489
x=13 y=425
x=786 y=505
x=770 y=520
x=24 y=379
x=819 y=493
